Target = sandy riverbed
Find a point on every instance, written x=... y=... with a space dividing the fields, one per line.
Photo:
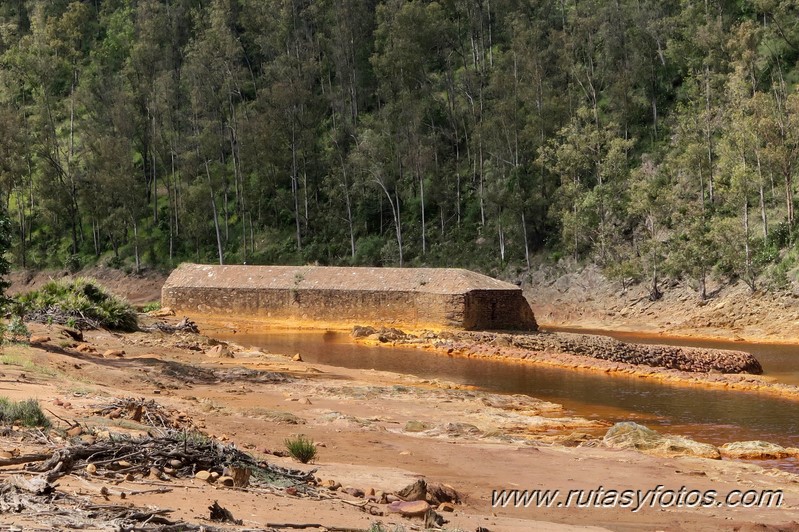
x=369 y=425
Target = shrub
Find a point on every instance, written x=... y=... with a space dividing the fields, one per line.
x=301 y=448
x=17 y=329
x=77 y=302
x=27 y=413
x=152 y=306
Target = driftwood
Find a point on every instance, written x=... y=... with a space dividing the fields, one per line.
x=219 y=513
x=56 y=315
x=142 y=411
x=181 y=453
x=184 y=325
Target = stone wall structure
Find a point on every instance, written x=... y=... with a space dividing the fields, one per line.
x=410 y=297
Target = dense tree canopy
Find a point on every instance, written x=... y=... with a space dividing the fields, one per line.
x=656 y=138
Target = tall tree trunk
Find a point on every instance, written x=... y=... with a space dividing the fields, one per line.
x=216 y=217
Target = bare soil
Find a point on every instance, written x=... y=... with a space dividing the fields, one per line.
x=585 y=298
x=377 y=431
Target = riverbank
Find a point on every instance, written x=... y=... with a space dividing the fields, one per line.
x=583 y=298
x=568 y=351
x=376 y=431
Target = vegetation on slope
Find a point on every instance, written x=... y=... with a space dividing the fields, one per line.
x=651 y=137
x=78 y=303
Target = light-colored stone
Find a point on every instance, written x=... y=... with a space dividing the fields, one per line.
x=409 y=509
x=226 y=481
x=39 y=339
x=203 y=475
x=114 y=353
x=754 y=450
x=446 y=507
x=91 y=469
x=629 y=435
x=297 y=358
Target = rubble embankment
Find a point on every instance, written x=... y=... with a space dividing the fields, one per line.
x=687 y=359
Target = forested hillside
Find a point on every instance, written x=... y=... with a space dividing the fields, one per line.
x=655 y=138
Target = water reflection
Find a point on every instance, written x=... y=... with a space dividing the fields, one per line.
x=714 y=416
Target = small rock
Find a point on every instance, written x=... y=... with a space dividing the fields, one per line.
x=214 y=476
x=155 y=473
x=72 y=432
x=355 y=492
x=88 y=439
x=124 y=464
x=113 y=353
x=203 y=475
x=129 y=477
x=332 y=485
x=417 y=426
x=754 y=450
x=175 y=463
x=409 y=509
x=297 y=358
x=39 y=339
x=157 y=392
x=84 y=348
x=91 y=469
x=446 y=507
x=226 y=481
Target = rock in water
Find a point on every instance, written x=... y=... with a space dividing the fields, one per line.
x=629 y=435
x=754 y=450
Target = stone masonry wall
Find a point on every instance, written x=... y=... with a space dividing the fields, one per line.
x=470 y=311
x=440 y=298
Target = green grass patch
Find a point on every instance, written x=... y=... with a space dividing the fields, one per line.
x=27 y=413
x=81 y=303
x=152 y=306
x=301 y=448
x=26 y=364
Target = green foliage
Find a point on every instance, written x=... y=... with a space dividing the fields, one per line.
x=301 y=448
x=27 y=413
x=78 y=302
x=17 y=329
x=151 y=306
x=662 y=136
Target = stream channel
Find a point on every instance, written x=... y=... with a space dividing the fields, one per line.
x=704 y=414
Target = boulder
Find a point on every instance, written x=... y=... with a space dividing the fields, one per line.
x=629 y=435
x=414 y=492
x=754 y=450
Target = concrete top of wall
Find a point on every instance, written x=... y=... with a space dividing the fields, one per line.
x=423 y=280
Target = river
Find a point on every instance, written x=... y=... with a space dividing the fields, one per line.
x=709 y=415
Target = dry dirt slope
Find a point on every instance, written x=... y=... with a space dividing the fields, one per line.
x=585 y=298
x=138 y=289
